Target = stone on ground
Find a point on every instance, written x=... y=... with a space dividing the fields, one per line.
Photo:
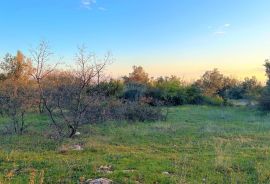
x=99 y=181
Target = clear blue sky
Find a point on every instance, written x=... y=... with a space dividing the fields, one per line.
x=181 y=37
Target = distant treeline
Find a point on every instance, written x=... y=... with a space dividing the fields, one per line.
x=212 y=88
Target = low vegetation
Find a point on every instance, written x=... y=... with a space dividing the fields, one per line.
x=202 y=144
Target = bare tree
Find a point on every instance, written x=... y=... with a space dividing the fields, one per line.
x=67 y=97
x=101 y=64
x=76 y=97
x=40 y=57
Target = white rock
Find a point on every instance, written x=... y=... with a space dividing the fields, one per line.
x=77 y=148
x=105 y=169
x=166 y=173
x=128 y=171
x=99 y=181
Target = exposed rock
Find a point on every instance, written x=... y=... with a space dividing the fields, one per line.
x=105 y=169
x=99 y=181
x=166 y=173
x=128 y=171
x=77 y=133
x=77 y=147
x=63 y=149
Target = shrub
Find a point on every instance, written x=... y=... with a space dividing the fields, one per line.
x=235 y=93
x=264 y=102
x=134 y=91
x=114 y=109
x=216 y=101
x=110 y=88
x=142 y=112
x=194 y=95
x=153 y=96
x=175 y=97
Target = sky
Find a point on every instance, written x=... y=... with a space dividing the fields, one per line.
x=166 y=37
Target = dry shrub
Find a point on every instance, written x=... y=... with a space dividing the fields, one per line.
x=135 y=111
x=123 y=110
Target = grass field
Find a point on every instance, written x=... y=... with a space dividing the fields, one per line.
x=198 y=144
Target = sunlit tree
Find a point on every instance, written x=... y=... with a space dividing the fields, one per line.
x=16 y=94
x=138 y=75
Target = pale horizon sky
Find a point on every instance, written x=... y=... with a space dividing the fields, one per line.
x=172 y=37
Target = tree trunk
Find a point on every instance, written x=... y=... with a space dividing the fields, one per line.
x=73 y=131
x=22 y=123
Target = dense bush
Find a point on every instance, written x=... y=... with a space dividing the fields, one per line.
x=114 y=109
x=111 y=88
x=168 y=90
x=181 y=95
x=213 y=88
x=235 y=93
x=154 y=96
x=264 y=101
x=216 y=101
x=142 y=112
x=194 y=95
x=134 y=91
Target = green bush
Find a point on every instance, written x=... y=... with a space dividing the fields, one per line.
x=134 y=91
x=216 y=101
x=264 y=101
x=176 y=97
x=194 y=95
x=110 y=88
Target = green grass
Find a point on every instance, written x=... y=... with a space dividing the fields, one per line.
x=198 y=144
